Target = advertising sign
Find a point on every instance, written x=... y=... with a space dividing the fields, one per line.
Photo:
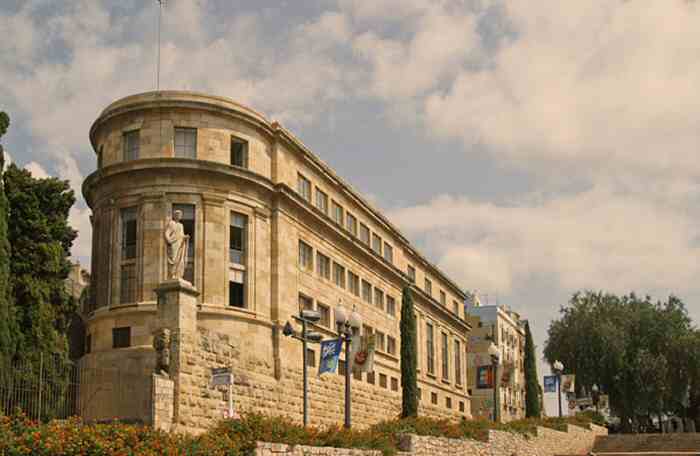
x=484 y=377
x=568 y=383
x=550 y=383
x=330 y=351
x=221 y=376
x=363 y=356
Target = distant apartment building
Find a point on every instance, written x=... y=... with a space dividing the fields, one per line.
x=498 y=325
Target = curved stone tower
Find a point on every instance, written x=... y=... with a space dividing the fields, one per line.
x=272 y=229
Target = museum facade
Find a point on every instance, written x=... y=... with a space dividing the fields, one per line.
x=272 y=230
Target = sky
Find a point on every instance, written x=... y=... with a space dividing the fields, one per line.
x=529 y=149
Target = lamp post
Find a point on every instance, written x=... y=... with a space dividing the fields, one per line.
x=595 y=392
x=347 y=323
x=558 y=369
x=305 y=317
x=495 y=354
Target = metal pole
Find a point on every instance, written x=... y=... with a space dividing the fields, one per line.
x=495 y=391
x=559 y=392
x=348 y=379
x=306 y=375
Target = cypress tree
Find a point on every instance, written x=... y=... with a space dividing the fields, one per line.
x=532 y=386
x=8 y=327
x=409 y=357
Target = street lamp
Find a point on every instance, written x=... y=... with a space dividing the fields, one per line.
x=305 y=317
x=347 y=323
x=596 y=396
x=558 y=369
x=495 y=354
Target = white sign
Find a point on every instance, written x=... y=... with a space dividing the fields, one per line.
x=221 y=376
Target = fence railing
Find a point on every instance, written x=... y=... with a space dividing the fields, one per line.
x=49 y=388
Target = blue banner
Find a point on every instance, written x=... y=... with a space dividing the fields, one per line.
x=550 y=383
x=330 y=351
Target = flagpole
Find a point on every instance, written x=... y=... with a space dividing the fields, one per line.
x=160 y=12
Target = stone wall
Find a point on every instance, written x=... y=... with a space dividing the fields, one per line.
x=546 y=442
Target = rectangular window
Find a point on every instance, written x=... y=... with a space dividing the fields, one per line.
x=388 y=253
x=351 y=223
x=186 y=142
x=370 y=377
x=236 y=291
x=88 y=343
x=394 y=384
x=376 y=244
x=429 y=287
x=443 y=298
x=188 y=223
x=121 y=337
x=434 y=398
x=323 y=265
x=445 y=358
x=448 y=402
x=321 y=201
x=100 y=157
x=366 y=292
x=379 y=298
x=455 y=307
x=128 y=216
x=391 y=345
x=353 y=283
x=237 y=238
x=305 y=303
x=310 y=358
x=364 y=234
x=357 y=375
x=337 y=213
x=367 y=330
x=239 y=152
x=430 y=347
x=304 y=187
x=131 y=145
x=380 y=339
x=412 y=273
x=390 y=305
x=128 y=283
x=458 y=363
x=339 y=275
x=382 y=380
x=325 y=313
x=461 y=406
x=306 y=256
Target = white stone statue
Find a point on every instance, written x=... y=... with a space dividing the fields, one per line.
x=177 y=243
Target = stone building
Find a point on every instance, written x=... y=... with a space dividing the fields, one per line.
x=499 y=325
x=272 y=230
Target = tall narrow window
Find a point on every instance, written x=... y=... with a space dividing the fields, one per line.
x=379 y=298
x=388 y=253
x=455 y=307
x=321 y=201
x=376 y=243
x=364 y=234
x=304 y=187
x=443 y=298
x=186 y=142
x=305 y=303
x=306 y=256
x=390 y=305
x=429 y=287
x=128 y=283
x=391 y=345
x=412 y=273
x=130 y=145
x=351 y=223
x=337 y=213
x=236 y=289
x=100 y=156
x=367 y=292
x=380 y=340
x=430 y=347
x=339 y=275
x=458 y=363
x=323 y=264
x=239 y=152
x=128 y=216
x=353 y=283
x=325 y=313
x=445 y=358
x=188 y=223
x=237 y=238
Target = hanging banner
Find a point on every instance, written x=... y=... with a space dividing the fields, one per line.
x=568 y=383
x=484 y=377
x=330 y=351
x=362 y=353
x=550 y=383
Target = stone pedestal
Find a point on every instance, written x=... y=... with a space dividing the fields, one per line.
x=177 y=306
x=162 y=402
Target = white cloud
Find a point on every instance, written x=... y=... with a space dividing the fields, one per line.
x=37 y=170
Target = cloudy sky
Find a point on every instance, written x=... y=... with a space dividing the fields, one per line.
x=530 y=148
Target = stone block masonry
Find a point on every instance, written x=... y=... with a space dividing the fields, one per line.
x=545 y=442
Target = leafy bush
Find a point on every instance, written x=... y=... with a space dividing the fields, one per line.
x=22 y=436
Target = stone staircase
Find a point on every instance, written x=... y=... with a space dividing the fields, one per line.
x=647 y=445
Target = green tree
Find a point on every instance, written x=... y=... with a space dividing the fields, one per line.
x=532 y=384
x=409 y=357
x=9 y=335
x=41 y=239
